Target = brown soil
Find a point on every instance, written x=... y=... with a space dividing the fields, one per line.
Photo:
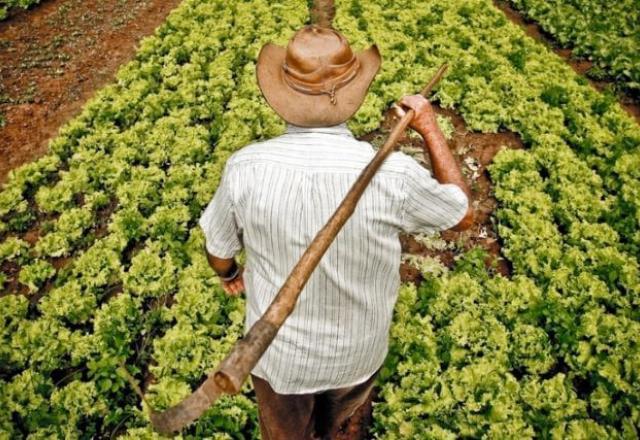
x=54 y=56
x=580 y=65
x=474 y=152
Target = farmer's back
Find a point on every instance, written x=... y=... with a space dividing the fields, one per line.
x=282 y=191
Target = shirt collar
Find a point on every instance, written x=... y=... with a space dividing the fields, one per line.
x=340 y=129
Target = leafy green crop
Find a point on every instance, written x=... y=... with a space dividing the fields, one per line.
x=550 y=353
x=606 y=32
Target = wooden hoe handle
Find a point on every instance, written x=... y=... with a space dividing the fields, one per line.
x=235 y=368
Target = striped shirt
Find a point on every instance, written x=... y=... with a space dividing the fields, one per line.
x=273 y=197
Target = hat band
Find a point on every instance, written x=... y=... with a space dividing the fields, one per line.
x=310 y=83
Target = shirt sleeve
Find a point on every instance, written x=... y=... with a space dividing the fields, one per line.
x=219 y=221
x=430 y=206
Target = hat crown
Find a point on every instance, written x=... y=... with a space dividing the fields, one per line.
x=312 y=48
x=317 y=61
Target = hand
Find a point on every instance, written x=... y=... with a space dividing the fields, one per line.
x=236 y=286
x=424 y=119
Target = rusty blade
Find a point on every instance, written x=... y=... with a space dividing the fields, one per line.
x=177 y=417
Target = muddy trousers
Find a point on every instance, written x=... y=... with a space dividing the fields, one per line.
x=307 y=416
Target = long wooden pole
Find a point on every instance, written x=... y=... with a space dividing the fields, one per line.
x=235 y=368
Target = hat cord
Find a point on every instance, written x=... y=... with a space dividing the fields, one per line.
x=319 y=89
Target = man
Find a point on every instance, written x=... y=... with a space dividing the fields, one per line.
x=276 y=194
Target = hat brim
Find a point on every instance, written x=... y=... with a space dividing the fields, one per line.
x=307 y=110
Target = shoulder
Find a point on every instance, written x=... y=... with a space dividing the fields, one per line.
x=404 y=160
x=249 y=153
x=401 y=165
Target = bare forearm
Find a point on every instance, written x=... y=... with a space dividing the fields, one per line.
x=444 y=165
x=222 y=266
x=230 y=273
x=446 y=169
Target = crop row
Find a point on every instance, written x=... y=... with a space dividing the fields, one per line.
x=606 y=32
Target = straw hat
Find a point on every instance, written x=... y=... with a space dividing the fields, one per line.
x=317 y=80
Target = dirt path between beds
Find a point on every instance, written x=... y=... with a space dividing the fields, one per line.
x=54 y=56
